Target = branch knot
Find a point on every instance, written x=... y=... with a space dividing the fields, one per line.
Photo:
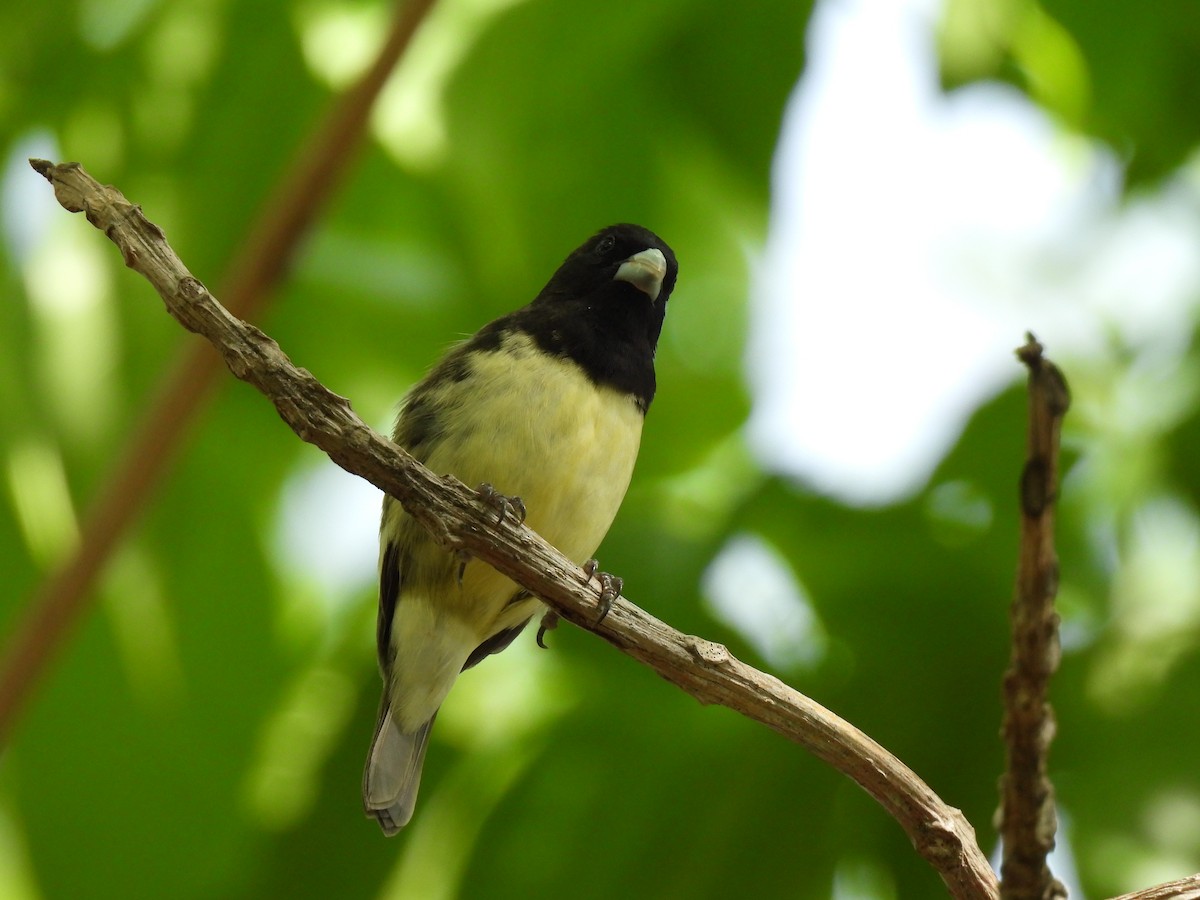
x=709 y=653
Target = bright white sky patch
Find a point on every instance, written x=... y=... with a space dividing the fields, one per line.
x=754 y=591
x=915 y=237
x=328 y=531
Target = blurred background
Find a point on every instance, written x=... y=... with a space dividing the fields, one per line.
x=871 y=201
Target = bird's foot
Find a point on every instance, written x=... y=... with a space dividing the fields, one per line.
x=549 y=623
x=505 y=507
x=503 y=504
x=610 y=587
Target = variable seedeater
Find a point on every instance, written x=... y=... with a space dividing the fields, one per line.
x=545 y=404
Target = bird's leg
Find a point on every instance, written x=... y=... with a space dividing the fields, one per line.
x=610 y=587
x=502 y=503
x=463 y=558
x=549 y=623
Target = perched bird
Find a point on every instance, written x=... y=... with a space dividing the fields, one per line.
x=543 y=408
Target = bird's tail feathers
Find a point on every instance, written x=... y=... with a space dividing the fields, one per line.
x=393 y=772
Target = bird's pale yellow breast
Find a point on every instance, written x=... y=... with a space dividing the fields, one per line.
x=558 y=441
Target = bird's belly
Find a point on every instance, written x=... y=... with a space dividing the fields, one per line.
x=555 y=439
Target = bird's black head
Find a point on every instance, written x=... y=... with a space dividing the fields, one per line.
x=618 y=264
x=604 y=307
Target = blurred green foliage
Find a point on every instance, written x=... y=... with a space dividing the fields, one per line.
x=202 y=734
x=1120 y=75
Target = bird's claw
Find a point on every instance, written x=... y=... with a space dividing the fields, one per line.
x=610 y=587
x=549 y=623
x=610 y=590
x=502 y=503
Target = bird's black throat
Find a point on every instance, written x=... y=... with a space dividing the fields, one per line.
x=610 y=334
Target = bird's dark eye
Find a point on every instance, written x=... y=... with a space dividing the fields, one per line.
x=606 y=243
